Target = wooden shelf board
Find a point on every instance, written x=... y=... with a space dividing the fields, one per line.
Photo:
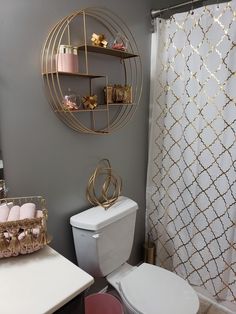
x=102 y=132
x=74 y=74
x=120 y=104
x=99 y=108
x=108 y=51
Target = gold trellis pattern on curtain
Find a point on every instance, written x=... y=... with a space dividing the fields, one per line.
x=191 y=186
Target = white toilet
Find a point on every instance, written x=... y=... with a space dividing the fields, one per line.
x=103 y=241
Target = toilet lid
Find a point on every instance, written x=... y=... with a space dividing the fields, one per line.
x=151 y=289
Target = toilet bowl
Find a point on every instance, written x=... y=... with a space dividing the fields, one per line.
x=103 y=242
x=150 y=289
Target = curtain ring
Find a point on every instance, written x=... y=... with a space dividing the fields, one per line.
x=168 y=12
x=192 y=8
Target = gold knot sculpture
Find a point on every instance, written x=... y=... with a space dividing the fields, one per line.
x=99 y=40
x=107 y=184
x=90 y=102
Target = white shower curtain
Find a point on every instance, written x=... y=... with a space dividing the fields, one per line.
x=191 y=184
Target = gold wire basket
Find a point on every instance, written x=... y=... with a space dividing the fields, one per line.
x=2 y=189
x=26 y=235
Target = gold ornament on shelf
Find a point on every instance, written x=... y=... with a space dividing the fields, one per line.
x=110 y=185
x=70 y=101
x=120 y=42
x=99 y=40
x=118 y=94
x=90 y=102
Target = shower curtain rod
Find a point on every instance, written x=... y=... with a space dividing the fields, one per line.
x=157 y=13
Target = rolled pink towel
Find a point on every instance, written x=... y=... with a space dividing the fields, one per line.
x=27 y=210
x=35 y=232
x=6 y=235
x=10 y=205
x=39 y=213
x=14 y=213
x=4 y=212
x=21 y=235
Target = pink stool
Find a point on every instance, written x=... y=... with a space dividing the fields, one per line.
x=102 y=303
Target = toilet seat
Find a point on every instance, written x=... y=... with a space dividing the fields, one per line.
x=150 y=289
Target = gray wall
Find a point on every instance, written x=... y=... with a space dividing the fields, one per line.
x=41 y=155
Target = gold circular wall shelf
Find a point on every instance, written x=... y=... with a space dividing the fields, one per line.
x=76 y=30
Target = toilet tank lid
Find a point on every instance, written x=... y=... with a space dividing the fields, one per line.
x=97 y=217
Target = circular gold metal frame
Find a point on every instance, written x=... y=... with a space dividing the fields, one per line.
x=132 y=68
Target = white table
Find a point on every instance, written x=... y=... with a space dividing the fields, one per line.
x=40 y=282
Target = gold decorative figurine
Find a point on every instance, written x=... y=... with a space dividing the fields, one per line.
x=108 y=92
x=90 y=102
x=110 y=185
x=99 y=40
x=118 y=94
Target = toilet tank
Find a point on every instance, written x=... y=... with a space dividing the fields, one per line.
x=103 y=239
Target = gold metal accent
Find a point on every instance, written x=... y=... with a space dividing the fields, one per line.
x=111 y=185
x=108 y=92
x=99 y=40
x=149 y=252
x=115 y=117
x=118 y=94
x=122 y=94
x=68 y=33
x=90 y=102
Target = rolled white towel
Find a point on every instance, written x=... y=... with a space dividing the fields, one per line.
x=14 y=213
x=4 y=212
x=27 y=210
